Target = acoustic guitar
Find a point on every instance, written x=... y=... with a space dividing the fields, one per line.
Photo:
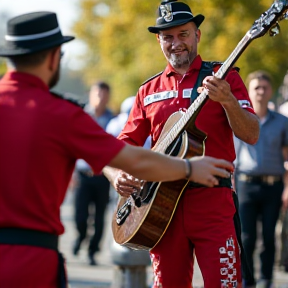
x=141 y=220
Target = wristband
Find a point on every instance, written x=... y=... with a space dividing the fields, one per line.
x=188 y=169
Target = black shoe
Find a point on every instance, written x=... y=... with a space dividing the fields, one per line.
x=91 y=260
x=76 y=247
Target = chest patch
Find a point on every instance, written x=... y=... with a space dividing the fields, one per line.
x=187 y=93
x=160 y=96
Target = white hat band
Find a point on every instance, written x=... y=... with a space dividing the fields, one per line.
x=181 y=12
x=32 y=37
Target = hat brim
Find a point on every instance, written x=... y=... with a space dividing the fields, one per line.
x=17 y=51
x=198 y=19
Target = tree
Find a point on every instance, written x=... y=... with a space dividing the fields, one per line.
x=121 y=51
x=4 y=17
x=2 y=67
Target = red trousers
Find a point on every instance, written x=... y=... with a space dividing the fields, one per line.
x=28 y=267
x=202 y=224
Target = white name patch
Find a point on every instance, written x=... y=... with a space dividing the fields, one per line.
x=160 y=96
x=187 y=93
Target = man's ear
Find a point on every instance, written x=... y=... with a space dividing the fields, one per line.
x=157 y=36
x=198 y=35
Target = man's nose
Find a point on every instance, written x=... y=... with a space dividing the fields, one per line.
x=176 y=41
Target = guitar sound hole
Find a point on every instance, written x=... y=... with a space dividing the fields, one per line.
x=174 y=147
x=147 y=192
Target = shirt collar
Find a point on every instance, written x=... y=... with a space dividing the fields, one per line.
x=269 y=115
x=195 y=65
x=14 y=77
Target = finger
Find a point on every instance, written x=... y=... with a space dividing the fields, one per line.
x=124 y=194
x=212 y=181
x=210 y=81
x=126 y=188
x=223 y=164
x=200 y=89
x=124 y=191
x=221 y=172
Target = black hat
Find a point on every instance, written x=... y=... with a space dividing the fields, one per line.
x=32 y=32
x=172 y=13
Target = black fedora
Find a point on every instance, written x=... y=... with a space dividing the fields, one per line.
x=32 y=32
x=172 y=13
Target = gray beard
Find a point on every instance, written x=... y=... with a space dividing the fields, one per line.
x=178 y=62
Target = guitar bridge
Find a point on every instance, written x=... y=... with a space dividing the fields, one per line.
x=123 y=212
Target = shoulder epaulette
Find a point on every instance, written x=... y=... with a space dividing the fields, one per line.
x=151 y=78
x=71 y=100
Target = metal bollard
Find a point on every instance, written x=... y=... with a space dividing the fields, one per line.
x=130 y=267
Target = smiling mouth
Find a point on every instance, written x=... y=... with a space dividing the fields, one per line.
x=179 y=52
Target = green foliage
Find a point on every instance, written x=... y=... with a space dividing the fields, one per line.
x=121 y=51
x=2 y=66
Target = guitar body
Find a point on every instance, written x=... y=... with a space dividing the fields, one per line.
x=145 y=225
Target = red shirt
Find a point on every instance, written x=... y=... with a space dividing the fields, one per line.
x=170 y=92
x=41 y=137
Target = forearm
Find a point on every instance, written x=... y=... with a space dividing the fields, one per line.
x=244 y=124
x=285 y=164
x=144 y=164
x=285 y=179
x=110 y=173
x=285 y=190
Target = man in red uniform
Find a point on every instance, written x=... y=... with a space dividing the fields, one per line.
x=203 y=222
x=41 y=137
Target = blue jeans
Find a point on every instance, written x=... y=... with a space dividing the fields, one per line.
x=259 y=201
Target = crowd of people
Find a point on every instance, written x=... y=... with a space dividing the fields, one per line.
x=218 y=214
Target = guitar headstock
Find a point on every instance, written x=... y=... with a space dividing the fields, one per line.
x=269 y=20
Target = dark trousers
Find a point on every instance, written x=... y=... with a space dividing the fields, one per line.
x=259 y=201
x=91 y=190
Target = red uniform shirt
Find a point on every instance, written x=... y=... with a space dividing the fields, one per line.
x=170 y=92
x=41 y=136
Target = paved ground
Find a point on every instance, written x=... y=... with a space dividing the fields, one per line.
x=81 y=275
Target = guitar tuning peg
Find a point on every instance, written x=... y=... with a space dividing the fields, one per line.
x=274 y=30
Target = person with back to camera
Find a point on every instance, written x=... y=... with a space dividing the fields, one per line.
x=203 y=221
x=41 y=137
x=261 y=179
x=90 y=188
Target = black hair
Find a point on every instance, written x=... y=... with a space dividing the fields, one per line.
x=102 y=85
x=29 y=60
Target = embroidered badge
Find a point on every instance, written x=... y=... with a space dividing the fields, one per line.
x=228 y=270
x=166 y=12
x=160 y=96
x=156 y=271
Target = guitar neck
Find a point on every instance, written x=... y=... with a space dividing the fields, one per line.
x=179 y=126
